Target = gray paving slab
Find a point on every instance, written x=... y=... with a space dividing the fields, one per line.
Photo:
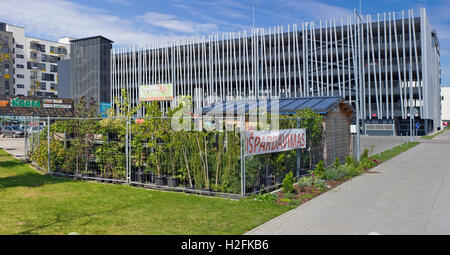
x=408 y=194
x=14 y=146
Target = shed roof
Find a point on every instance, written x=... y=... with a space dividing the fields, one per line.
x=320 y=105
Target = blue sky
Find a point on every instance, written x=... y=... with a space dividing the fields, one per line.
x=133 y=22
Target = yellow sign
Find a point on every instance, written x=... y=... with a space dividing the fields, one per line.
x=158 y=92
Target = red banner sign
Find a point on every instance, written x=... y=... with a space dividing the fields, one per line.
x=262 y=142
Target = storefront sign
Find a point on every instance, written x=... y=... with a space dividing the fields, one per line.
x=159 y=92
x=262 y=142
x=35 y=106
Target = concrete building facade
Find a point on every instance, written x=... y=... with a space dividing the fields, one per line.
x=386 y=66
x=6 y=61
x=35 y=63
x=445 y=97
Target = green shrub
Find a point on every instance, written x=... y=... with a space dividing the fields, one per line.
x=319 y=170
x=267 y=198
x=290 y=196
x=334 y=173
x=337 y=163
x=349 y=160
x=365 y=154
x=288 y=183
x=353 y=170
x=305 y=182
x=320 y=184
x=367 y=163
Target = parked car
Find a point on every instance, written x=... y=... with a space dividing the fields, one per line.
x=34 y=129
x=12 y=131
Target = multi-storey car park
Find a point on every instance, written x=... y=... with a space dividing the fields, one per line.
x=391 y=60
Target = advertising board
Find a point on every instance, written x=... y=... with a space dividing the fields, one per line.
x=262 y=142
x=157 y=92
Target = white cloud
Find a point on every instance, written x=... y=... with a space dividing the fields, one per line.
x=54 y=19
x=173 y=23
x=311 y=9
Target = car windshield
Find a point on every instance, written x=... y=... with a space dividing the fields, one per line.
x=16 y=128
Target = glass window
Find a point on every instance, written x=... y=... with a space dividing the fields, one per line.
x=53 y=68
x=20 y=76
x=19 y=46
x=48 y=77
x=20 y=86
x=19 y=66
x=43 y=86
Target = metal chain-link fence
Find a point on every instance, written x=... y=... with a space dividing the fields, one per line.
x=207 y=157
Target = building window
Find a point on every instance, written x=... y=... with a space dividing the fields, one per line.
x=19 y=46
x=43 y=86
x=52 y=49
x=52 y=85
x=20 y=76
x=48 y=77
x=53 y=68
x=20 y=66
x=33 y=55
x=19 y=56
x=20 y=86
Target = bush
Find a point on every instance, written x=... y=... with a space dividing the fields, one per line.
x=305 y=182
x=319 y=170
x=334 y=173
x=367 y=163
x=349 y=160
x=337 y=163
x=320 y=184
x=288 y=183
x=365 y=154
x=267 y=198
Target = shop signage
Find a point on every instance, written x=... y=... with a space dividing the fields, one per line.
x=262 y=142
x=158 y=92
x=35 y=106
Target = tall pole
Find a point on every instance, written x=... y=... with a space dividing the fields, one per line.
x=357 y=58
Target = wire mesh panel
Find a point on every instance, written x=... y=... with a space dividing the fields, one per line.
x=195 y=157
x=267 y=171
x=203 y=154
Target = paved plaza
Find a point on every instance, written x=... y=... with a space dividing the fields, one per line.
x=408 y=194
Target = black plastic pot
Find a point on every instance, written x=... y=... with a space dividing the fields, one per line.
x=162 y=180
x=172 y=182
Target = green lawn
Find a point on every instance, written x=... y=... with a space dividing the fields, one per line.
x=388 y=154
x=32 y=203
x=432 y=136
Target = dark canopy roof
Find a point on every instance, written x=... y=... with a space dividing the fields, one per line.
x=320 y=105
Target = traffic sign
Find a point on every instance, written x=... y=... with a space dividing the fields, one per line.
x=417 y=125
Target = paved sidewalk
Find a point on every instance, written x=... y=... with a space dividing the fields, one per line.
x=14 y=146
x=408 y=194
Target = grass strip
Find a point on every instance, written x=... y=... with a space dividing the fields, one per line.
x=33 y=203
x=388 y=154
x=432 y=136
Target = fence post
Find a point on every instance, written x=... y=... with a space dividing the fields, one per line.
x=126 y=151
x=48 y=142
x=242 y=156
x=299 y=161
x=26 y=138
x=392 y=141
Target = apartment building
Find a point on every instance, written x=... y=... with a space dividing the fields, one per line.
x=35 y=63
x=6 y=61
x=386 y=65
